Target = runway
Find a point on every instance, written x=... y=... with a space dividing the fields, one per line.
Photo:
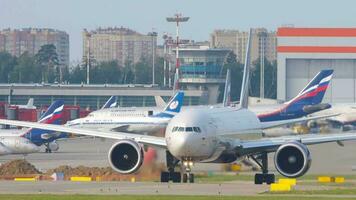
x=139 y=188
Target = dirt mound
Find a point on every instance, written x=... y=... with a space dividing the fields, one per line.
x=148 y=172
x=18 y=167
x=82 y=171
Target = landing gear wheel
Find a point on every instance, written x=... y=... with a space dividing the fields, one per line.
x=185 y=178
x=164 y=177
x=270 y=178
x=264 y=177
x=176 y=177
x=258 y=179
x=171 y=175
x=191 y=178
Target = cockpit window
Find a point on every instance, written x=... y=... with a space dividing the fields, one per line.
x=197 y=129
x=181 y=129
x=174 y=129
x=189 y=129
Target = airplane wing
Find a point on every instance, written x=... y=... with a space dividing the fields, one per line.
x=271 y=144
x=144 y=139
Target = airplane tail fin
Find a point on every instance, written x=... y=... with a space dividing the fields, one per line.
x=160 y=102
x=110 y=103
x=53 y=115
x=176 y=81
x=306 y=102
x=246 y=76
x=30 y=103
x=173 y=106
x=227 y=90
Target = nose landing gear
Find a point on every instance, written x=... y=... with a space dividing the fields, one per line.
x=176 y=177
x=188 y=176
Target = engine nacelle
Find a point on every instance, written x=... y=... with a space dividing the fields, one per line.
x=53 y=146
x=292 y=159
x=126 y=156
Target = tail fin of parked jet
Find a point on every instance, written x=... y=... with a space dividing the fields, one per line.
x=30 y=103
x=227 y=90
x=246 y=76
x=306 y=102
x=53 y=115
x=110 y=103
x=173 y=107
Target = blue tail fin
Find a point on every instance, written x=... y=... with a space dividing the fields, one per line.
x=110 y=103
x=53 y=115
x=306 y=102
x=173 y=107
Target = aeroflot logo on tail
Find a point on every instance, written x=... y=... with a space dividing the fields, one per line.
x=173 y=105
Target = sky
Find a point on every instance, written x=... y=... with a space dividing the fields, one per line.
x=145 y=16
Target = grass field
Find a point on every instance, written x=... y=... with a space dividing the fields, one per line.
x=126 y=197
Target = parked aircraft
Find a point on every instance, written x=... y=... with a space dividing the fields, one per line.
x=14 y=141
x=130 y=119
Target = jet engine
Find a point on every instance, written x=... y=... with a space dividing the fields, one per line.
x=126 y=156
x=292 y=159
x=53 y=146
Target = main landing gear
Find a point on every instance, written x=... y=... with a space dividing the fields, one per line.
x=48 y=150
x=264 y=177
x=171 y=175
x=176 y=177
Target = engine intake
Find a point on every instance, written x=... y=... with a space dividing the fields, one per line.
x=292 y=159
x=126 y=156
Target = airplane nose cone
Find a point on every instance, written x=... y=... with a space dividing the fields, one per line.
x=178 y=144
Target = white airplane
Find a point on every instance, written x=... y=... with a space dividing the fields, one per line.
x=214 y=135
x=29 y=105
x=130 y=119
x=14 y=141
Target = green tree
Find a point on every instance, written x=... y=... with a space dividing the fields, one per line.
x=159 y=71
x=26 y=70
x=143 y=72
x=7 y=63
x=77 y=75
x=47 y=58
x=128 y=76
x=270 y=79
x=236 y=71
x=106 y=72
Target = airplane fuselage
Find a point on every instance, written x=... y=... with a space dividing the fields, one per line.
x=16 y=145
x=205 y=135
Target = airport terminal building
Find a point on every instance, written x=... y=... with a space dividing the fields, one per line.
x=302 y=52
x=93 y=96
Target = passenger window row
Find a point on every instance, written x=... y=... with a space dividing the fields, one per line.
x=186 y=129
